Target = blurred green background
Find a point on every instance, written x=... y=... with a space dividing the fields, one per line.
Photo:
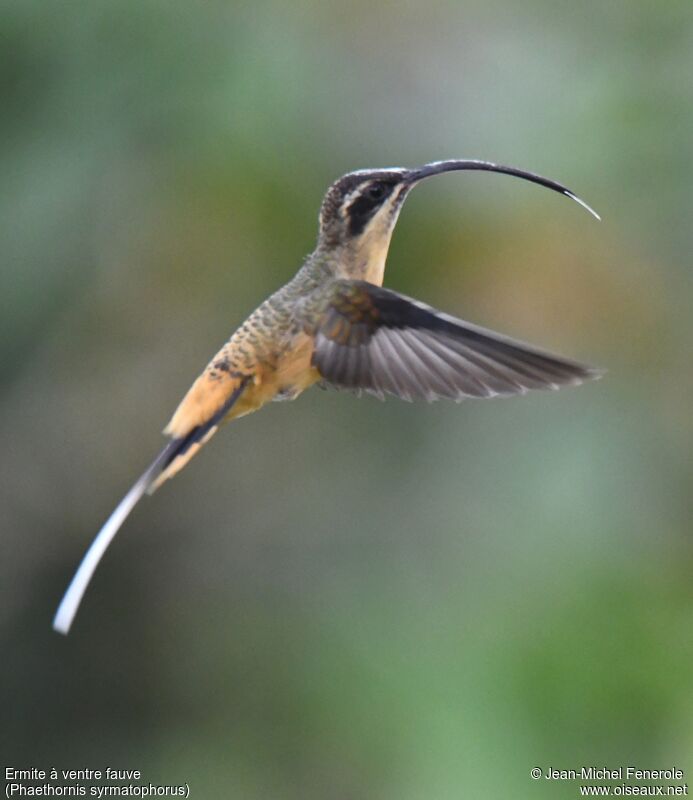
x=341 y=598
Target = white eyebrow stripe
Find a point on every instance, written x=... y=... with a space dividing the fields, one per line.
x=353 y=195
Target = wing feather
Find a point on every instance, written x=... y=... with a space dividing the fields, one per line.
x=375 y=339
x=495 y=378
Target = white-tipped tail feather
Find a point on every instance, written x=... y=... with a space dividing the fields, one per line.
x=78 y=586
x=75 y=591
x=166 y=464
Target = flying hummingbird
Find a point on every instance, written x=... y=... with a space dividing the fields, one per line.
x=334 y=324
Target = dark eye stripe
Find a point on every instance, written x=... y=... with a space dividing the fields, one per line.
x=364 y=207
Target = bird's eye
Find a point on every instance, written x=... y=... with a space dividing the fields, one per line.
x=376 y=191
x=365 y=205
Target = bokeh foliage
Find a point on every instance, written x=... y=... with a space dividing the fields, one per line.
x=343 y=598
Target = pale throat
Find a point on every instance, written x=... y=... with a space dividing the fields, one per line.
x=365 y=259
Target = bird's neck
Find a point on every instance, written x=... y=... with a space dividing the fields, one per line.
x=365 y=259
x=360 y=259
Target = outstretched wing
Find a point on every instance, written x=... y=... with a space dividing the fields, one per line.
x=379 y=341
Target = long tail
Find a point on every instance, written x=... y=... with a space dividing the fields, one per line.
x=75 y=591
x=176 y=453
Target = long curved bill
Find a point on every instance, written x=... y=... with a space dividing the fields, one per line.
x=438 y=167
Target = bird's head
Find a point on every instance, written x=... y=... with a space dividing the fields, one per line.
x=360 y=210
x=357 y=217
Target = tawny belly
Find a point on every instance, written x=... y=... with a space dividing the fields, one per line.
x=291 y=374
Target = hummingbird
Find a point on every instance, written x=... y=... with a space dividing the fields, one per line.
x=335 y=325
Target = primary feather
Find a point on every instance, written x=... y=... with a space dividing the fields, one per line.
x=380 y=341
